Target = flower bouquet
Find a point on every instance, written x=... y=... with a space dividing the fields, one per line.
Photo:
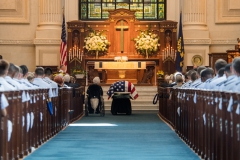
x=78 y=72
x=96 y=43
x=160 y=73
x=146 y=43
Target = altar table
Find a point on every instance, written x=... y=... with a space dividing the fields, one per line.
x=112 y=71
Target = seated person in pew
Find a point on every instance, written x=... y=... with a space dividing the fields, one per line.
x=193 y=77
x=206 y=77
x=6 y=85
x=221 y=72
x=38 y=80
x=220 y=63
x=231 y=78
x=172 y=80
x=13 y=79
x=59 y=80
x=235 y=85
x=48 y=79
x=12 y=72
x=188 y=78
x=4 y=65
x=198 y=81
x=166 y=80
x=25 y=76
x=69 y=84
x=179 y=81
x=30 y=78
x=67 y=81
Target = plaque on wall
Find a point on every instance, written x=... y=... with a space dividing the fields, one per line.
x=197 y=60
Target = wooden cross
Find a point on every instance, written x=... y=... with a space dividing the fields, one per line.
x=122 y=28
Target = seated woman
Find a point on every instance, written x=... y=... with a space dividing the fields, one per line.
x=94 y=100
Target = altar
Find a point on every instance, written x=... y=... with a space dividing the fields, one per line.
x=133 y=71
x=120 y=29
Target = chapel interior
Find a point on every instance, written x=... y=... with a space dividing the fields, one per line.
x=30 y=34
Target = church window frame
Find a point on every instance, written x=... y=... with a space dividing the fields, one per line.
x=146 y=10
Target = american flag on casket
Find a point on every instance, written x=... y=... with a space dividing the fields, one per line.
x=122 y=86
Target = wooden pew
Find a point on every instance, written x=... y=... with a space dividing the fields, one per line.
x=3 y=133
x=217 y=138
x=236 y=127
x=26 y=133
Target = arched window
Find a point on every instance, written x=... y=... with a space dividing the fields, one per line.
x=145 y=9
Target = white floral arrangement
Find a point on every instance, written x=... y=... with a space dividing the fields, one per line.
x=95 y=41
x=147 y=43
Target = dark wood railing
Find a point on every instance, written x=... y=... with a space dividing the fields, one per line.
x=29 y=124
x=213 y=133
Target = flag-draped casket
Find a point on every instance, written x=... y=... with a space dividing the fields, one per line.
x=122 y=86
x=121 y=92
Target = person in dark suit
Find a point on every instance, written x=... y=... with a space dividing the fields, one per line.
x=67 y=79
x=67 y=82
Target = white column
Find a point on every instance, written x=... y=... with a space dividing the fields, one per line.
x=194 y=14
x=50 y=13
x=48 y=32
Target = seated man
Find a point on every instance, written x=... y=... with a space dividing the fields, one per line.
x=67 y=82
x=94 y=99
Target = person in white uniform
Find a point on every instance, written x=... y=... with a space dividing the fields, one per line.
x=206 y=77
x=12 y=77
x=220 y=63
x=24 y=79
x=189 y=82
x=6 y=85
x=235 y=85
x=48 y=79
x=231 y=78
x=198 y=81
x=4 y=65
x=38 y=80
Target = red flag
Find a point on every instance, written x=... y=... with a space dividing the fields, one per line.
x=63 y=46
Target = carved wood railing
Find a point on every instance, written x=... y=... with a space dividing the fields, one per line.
x=208 y=121
x=31 y=122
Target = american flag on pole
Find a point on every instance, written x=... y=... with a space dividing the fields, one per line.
x=122 y=86
x=63 y=47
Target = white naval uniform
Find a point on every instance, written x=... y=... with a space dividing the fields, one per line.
x=53 y=84
x=228 y=84
x=42 y=84
x=6 y=85
x=236 y=85
x=213 y=84
x=187 y=84
x=19 y=86
x=204 y=85
x=4 y=101
x=28 y=84
x=196 y=83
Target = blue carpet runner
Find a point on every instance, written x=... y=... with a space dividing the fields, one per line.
x=140 y=136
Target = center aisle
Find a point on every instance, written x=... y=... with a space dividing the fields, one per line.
x=137 y=136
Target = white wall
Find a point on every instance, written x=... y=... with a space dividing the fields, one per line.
x=17 y=35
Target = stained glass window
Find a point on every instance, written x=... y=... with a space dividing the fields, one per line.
x=144 y=9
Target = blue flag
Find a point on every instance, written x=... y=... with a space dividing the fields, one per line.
x=180 y=47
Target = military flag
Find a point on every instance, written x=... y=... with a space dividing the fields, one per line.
x=180 y=47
